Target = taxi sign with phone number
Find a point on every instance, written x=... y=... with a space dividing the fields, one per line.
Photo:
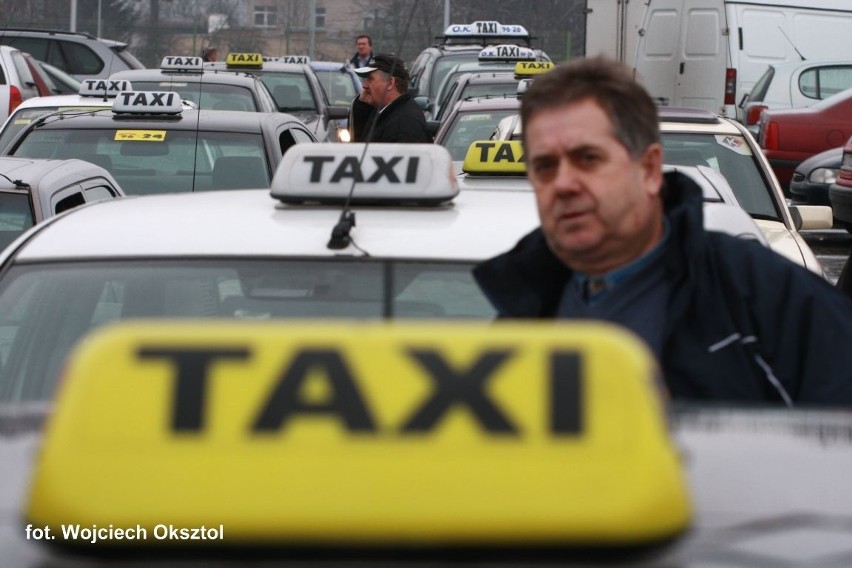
x=366 y=434
x=140 y=135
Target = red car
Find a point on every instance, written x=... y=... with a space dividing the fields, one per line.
x=789 y=136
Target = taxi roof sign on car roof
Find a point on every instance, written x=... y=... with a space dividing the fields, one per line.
x=486 y=28
x=381 y=173
x=495 y=157
x=345 y=433
x=244 y=60
x=147 y=102
x=181 y=64
x=296 y=59
x=507 y=52
x=532 y=68
x=109 y=88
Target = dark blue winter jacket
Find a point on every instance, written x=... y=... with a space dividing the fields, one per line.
x=743 y=323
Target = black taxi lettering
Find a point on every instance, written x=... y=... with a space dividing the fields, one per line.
x=503 y=153
x=350 y=168
x=508 y=51
x=247 y=58
x=141 y=98
x=191 y=381
x=451 y=388
x=109 y=86
x=486 y=27
x=181 y=61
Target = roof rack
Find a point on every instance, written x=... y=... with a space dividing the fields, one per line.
x=6 y=30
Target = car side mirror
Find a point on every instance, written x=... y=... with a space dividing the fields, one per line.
x=423 y=102
x=337 y=112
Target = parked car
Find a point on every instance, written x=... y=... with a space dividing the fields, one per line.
x=33 y=190
x=790 y=136
x=840 y=192
x=82 y=55
x=16 y=80
x=43 y=83
x=813 y=177
x=794 y=85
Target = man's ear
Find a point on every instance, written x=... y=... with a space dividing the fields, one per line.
x=651 y=164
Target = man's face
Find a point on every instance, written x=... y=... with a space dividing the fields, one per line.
x=362 y=45
x=376 y=88
x=599 y=207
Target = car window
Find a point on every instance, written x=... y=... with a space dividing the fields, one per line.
x=38 y=48
x=291 y=91
x=146 y=161
x=468 y=127
x=822 y=82
x=16 y=216
x=207 y=96
x=444 y=65
x=99 y=192
x=46 y=308
x=23 y=69
x=82 y=60
x=731 y=156
x=338 y=86
x=758 y=92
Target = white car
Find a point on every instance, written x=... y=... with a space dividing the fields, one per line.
x=793 y=85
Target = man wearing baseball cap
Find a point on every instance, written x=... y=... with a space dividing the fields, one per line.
x=383 y=112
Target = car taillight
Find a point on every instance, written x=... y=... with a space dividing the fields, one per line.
x=753 y=113
x=730 y=86
x=769 y=135
x=15 y=98
x=844 y=176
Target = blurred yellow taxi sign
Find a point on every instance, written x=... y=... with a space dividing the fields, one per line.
x=495 y=157
x=253 y=60
x=370 y=173
x=369 y=434
x=528 y=68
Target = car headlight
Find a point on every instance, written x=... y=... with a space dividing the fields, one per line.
x=823 y=175
x=343 y=135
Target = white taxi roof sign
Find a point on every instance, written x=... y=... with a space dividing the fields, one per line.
x=182 y=63
x=495 y=157
x=484 y=28
x=507 y=52
x=296 y=59
x=252 y=60
x=103 y=87
x=382 y=173
x=532 y=68
x=148 y=102
x=558 y=438
x=523 y=85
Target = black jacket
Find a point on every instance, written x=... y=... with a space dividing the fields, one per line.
x=401 y=121
x=353 y=61
x=743 y=323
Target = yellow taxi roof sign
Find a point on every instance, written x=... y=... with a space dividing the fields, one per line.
x=495 y=157
x=252 y=60
x=530 y=68
x=372 y=434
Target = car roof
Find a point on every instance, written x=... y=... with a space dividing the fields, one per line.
x=64 y=101
x=208 y=76
x=476 y=225
x=224 y=120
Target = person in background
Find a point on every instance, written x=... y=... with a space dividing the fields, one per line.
x=383 y=112
x=728 y=319
x=210 y=54
x=363 y=51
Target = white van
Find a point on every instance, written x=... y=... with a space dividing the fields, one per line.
x=709 y=53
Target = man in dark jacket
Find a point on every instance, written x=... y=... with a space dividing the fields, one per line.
x=727 y=318
x=363 y=51
x=383 y=112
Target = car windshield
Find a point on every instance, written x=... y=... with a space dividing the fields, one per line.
x=16 y=216
x=46 y=308
x=484 y=90
x=730 y=155
x=23 y=117
x=206 y=96
x=468 y=127
x=291 y=91
x=338 y=85
x=444 y=65
x=145 y=160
